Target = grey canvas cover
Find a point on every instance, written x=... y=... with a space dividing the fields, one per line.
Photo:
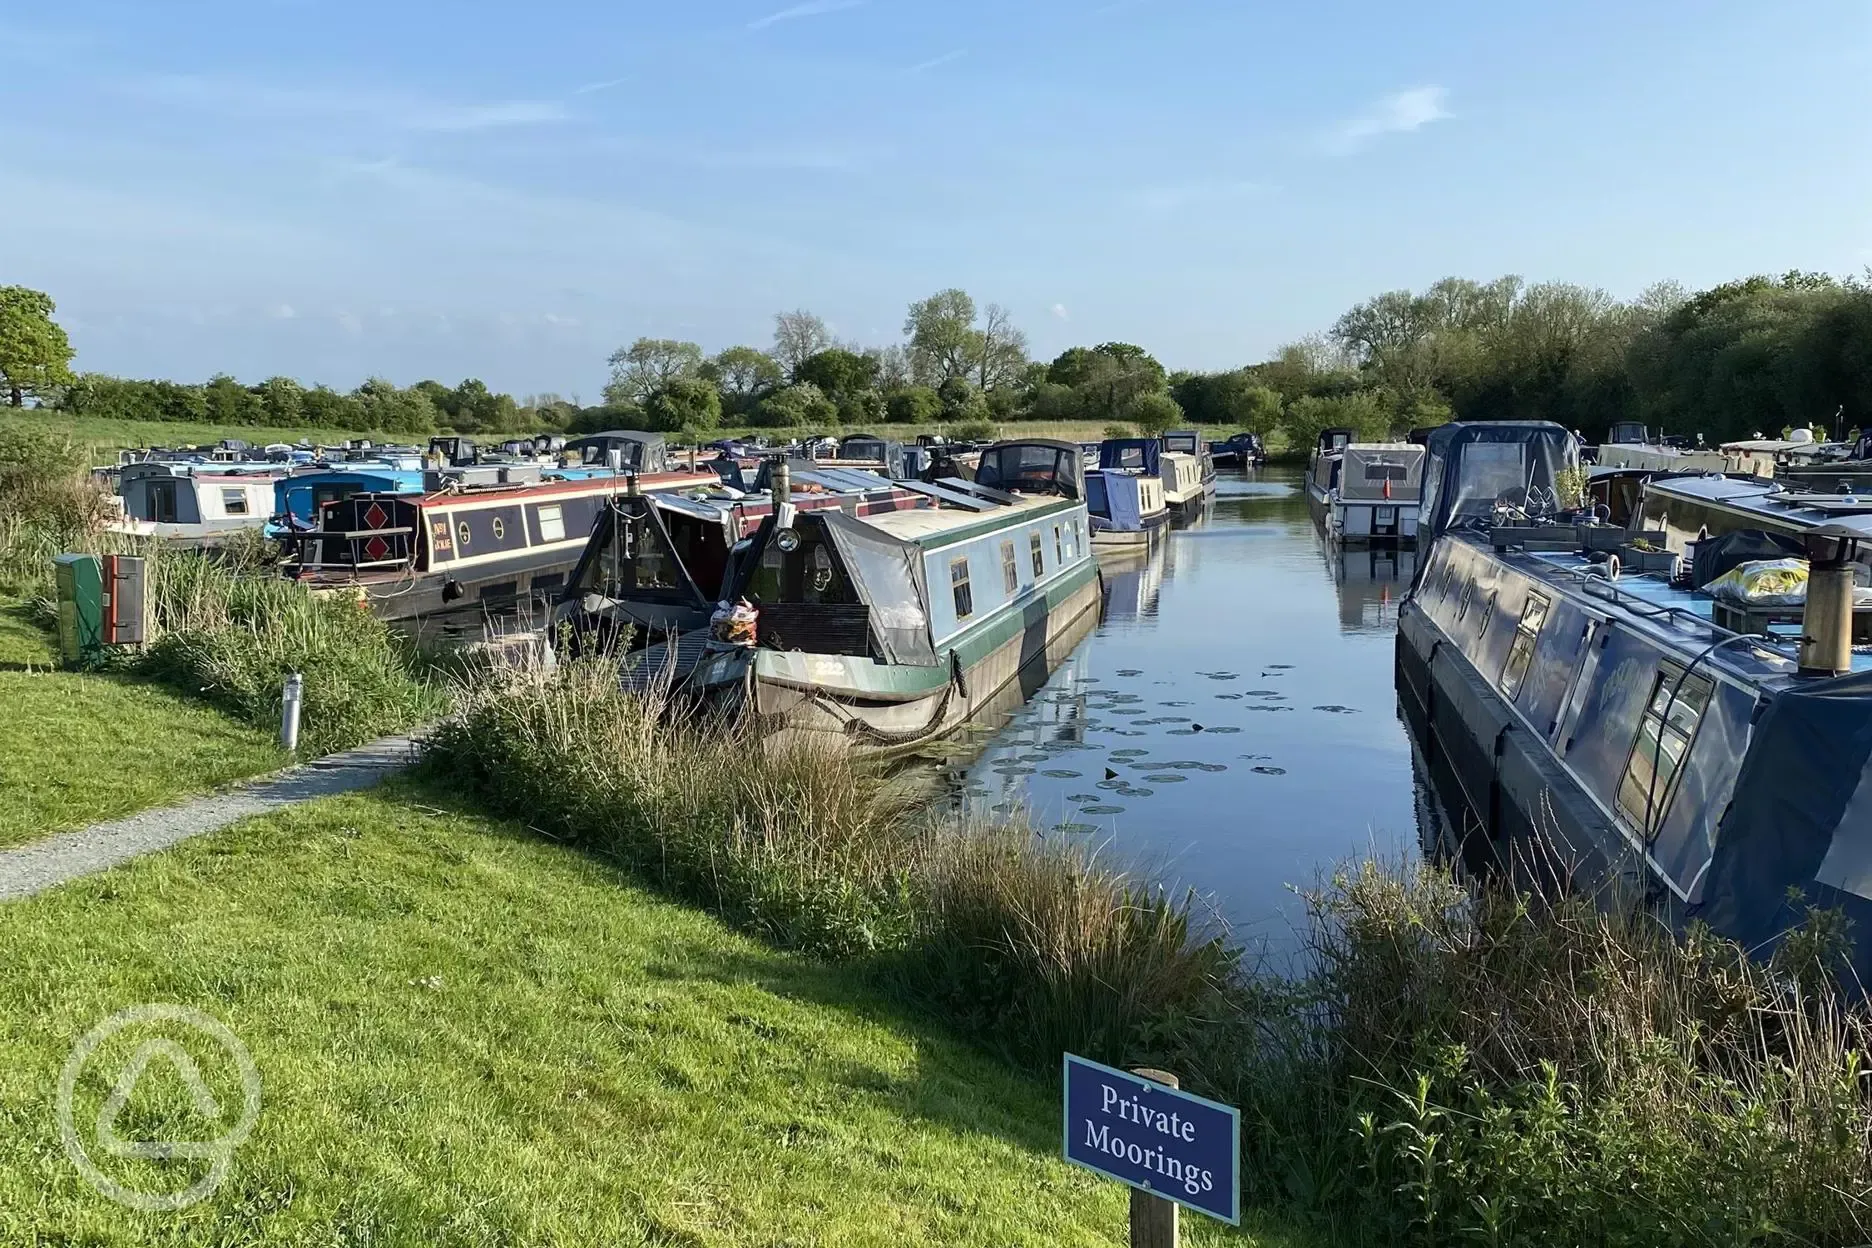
x=888 y=575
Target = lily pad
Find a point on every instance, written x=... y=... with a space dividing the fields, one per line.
x=1075 y=827
x=1166 y=779
x=1269 y=771
x=1059 y=774
x=1102 y=810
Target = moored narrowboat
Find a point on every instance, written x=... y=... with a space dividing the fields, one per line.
x=1376 y=499
x=1126 y=509
x=1605 y=732
x=194 y=503
x=453 y=546
x=880 y=632
x=1323 y=467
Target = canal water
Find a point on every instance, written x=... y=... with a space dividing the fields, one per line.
x=1230 y=724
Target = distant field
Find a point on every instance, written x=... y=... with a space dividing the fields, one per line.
x=109 y=435
x=105 y=437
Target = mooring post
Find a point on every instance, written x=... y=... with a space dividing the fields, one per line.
x=290 y=699
x=1153 y=1219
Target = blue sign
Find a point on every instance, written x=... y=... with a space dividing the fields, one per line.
x=1165 y=1141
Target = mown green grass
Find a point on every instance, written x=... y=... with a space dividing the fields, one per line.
x=470 y=1036
x=110 y=435
x=78 y=747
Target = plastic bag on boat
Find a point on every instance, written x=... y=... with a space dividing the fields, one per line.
x=735 y=624
x=1763 y=583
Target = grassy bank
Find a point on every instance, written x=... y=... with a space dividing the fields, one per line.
x=200 y=705
x=1451 y=1066
x=469 y=1036
x=78 y=747
x=101 y=439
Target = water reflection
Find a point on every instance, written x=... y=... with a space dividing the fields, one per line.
x=1231 y=723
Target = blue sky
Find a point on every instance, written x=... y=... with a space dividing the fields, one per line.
x=333 y=189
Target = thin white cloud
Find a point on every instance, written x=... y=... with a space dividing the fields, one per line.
x=606 y=85
x=945 y=59
x=812 y=8
x=396 y=111
x=1059 y=310
x=282 y=312
x=1398 y=113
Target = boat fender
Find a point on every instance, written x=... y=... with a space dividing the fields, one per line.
x=955 y=674
x=1612 y=567
x=452 y=590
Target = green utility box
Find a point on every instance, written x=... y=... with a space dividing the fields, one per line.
x=80 y=606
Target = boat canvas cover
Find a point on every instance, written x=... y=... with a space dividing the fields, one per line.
x=1470 y=465
x=1132 y=455
x=888 y=574
x=1801 y=819
x=1123 y=506
x=1368 y=466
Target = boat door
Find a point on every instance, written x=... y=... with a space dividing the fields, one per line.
x=159 y=500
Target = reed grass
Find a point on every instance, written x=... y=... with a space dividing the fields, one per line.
x=1029 y=944
x=1447 y=1064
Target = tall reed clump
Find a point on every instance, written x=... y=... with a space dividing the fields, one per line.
x=231 y=631
x=48 y=504
x=1031 y=945
x=1470 y=1066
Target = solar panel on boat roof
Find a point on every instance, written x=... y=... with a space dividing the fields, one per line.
x=980 y=491
x=952 y=497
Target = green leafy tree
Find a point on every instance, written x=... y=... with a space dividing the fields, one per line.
x=914 y=405
x=1107 y=377
x=943 y=340
x=684 y=403
x=382 y=405
x=961 y=400
x=282 y=400
x=606 y=416
x=35 y=354
x=1052 y=401
x=1363 y=412
x=229 y=403
x=794 y=406
x=325 y=408
x=866 y=407
x=742 y=375
x=647 y=366
x=839 y=373
x=1153 y=412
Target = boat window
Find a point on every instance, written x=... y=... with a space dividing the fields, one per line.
x=1010 y=569
x=1386 y=472
x=463 y=535
x=1521 y=653
x=959 y=586
x=1059 y=547
x=1462 y=604
x=1663 y=741
x=160 y=502
x=500 y=529
x=234 y=502
x=552 y=523
x=1039 y=555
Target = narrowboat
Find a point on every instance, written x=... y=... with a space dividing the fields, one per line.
x=298 y=498
x=1323 y=467
x=1179 y=473
x=195 y=503
x=882 y=632
x=1126 y=509
x=656 y=565
x=1603 y=731
x=462 y=545
x=1189 y=442
x=1376 y=499
x=1240 y=450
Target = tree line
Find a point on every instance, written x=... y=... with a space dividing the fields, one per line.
x=1745 y=357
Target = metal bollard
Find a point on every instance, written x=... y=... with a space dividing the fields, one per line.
x=289 y=712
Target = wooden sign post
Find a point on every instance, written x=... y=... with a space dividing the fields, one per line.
x=1153 y=1219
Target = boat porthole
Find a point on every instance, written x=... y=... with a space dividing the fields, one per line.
x=462 y=534
x=500 y=529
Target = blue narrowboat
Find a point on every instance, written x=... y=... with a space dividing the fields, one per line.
x=1622 y=732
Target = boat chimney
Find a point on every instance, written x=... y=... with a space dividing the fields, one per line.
x=631 y=488
x=782 y=479
x=1826 y=623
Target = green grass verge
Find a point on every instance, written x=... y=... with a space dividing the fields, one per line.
x=79 y=747
x=469 y=1036
x=109 y=435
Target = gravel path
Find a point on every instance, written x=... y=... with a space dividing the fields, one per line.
x=66 y=856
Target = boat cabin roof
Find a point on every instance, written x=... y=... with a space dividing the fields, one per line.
x=925 y=525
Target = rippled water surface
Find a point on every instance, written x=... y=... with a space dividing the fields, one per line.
x=1231 y=722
